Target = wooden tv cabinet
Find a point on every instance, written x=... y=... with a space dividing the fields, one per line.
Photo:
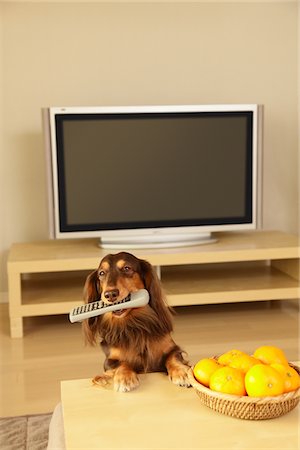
x=47 y=277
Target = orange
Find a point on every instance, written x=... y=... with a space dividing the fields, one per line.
x=227 y=357
x=269 y=354
x=204 y=369
x=263 y=381
x=290 y=376
x=228 y=380
x=244 y=362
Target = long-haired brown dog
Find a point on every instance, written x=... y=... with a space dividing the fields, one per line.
x=134 y=340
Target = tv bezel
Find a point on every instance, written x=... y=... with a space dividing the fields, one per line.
x=141 y=231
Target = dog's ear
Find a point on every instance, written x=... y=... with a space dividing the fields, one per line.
x=157 y=298
x=92 y=290
x=91 y=293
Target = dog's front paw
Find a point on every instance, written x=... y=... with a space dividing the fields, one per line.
x=179 y=376
x=125 y=380
x=104 y=379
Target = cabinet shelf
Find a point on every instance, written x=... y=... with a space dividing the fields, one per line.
x=48 y=277
x=232 y=283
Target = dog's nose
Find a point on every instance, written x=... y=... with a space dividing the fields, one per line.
x=111 y=295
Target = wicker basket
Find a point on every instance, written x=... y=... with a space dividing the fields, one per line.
x=244 y=407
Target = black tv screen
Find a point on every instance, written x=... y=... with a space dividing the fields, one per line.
x=151 y=170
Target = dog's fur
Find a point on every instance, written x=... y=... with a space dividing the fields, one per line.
x=135 y=340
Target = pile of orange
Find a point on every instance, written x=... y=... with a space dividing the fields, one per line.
x=265 y=373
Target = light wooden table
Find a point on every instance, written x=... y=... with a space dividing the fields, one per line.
x=160 y=415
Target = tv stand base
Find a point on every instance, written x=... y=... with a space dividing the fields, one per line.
x=156 y=240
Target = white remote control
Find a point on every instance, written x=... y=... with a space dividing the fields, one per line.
x=133 y=300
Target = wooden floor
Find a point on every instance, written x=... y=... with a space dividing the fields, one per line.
x=53 y=350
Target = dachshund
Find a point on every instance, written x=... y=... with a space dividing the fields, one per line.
x=136 y=340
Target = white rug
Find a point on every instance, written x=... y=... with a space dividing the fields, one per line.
x=25 y=433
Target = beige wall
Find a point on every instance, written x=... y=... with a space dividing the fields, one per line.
x=3 y=243
x=143 y=53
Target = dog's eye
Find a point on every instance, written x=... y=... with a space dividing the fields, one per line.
x=127 y=269
x=101 y=273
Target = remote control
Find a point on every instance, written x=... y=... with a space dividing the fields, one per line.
x=133 y=300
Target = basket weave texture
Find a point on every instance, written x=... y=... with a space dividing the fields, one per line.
x=244 y=407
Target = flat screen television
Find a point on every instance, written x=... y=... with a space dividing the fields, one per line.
x=152 y=176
